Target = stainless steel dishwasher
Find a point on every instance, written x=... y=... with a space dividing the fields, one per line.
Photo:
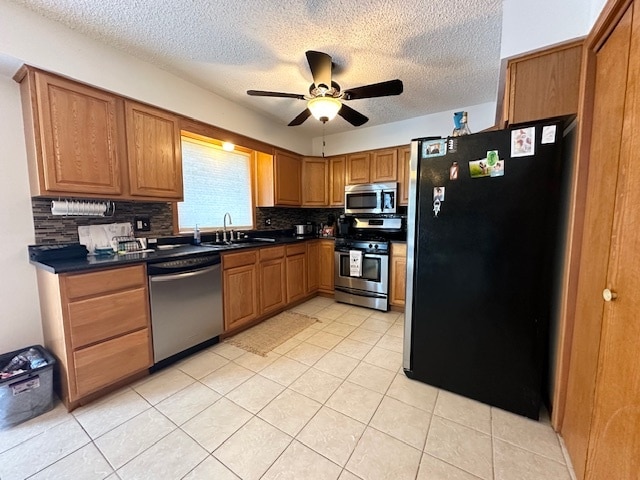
x=186 y=303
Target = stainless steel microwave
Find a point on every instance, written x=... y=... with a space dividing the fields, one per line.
x=371 y=198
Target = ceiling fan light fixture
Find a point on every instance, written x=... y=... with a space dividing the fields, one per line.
x=324 y=108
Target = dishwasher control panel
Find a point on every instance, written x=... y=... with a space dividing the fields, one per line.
x=183 y=264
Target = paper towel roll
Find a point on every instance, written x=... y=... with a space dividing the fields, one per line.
x=78 y=208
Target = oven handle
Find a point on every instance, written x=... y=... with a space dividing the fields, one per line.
x=181 y=276
x=360 y=293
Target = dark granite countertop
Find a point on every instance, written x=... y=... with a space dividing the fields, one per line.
x=181 y=249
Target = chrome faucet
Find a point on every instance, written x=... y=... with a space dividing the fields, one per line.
x=224 y=228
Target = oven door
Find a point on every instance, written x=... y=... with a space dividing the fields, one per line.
x=375 y=273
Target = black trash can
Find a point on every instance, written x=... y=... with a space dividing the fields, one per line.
x=27 y=394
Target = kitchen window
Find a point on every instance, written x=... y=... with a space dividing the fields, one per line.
x=215 y=182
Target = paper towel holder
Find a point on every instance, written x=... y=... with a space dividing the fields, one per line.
x=83 y=208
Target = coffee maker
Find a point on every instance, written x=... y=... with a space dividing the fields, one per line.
x=345 y=224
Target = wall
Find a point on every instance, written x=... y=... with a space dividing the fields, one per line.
x=19 y=308
x=532 y=25
x=400 y=133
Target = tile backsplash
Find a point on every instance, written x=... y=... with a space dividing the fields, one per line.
x=60 y=229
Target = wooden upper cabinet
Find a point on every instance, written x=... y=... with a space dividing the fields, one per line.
x=278 y=179
x=315 y=182
x=336 y=180
x=543 y=84
x=357 y=168
x=154 y=152
x=72 y=136
x=384 y=165
x=404 y=167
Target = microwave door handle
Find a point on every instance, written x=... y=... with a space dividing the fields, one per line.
x=381 y=200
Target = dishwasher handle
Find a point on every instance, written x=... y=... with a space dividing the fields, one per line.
x=183 y=275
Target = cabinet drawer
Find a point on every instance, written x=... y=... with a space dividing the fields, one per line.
x=296 y=249
x=98 y=318
x=101 y=365
x=271 y=253
x=94 y=283
x=232 y=260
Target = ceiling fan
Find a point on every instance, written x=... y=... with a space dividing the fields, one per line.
x=325 y=98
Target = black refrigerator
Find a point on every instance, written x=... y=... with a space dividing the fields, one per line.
x=483 y=244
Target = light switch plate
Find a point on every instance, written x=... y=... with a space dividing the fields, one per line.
x=141 y=224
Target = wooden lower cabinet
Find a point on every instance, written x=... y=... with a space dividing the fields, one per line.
x=272 y=279
x=398 y=274
x=97 y=324
x=313 y=266
x=240 y=288
x=326 y=266
x=296 y=272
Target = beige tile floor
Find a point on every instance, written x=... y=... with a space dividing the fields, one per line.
x=331 y=403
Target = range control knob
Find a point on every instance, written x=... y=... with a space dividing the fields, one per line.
x=370 y=245
x=375 y=246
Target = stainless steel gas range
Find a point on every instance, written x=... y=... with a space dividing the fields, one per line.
x=362 y=262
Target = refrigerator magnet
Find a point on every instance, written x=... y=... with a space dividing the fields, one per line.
x=479 y=168
x=434 y=148
x=453 y=171
x=492 y=157
x=548 y=134
x=438 y=194
x=522 y=142
x=498 y=169
x=452 y=145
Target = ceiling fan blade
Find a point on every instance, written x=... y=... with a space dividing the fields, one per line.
x=352 y=116
x=382 y=89
x=262 y=93
x=320 y=66
x=299 y=120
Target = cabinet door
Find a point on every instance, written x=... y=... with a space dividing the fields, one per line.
x=326 y=267
x=240 y=291
x=273 y=287
x=107 y=362
x=313 y=266
x=154 y=152
x=384 y=165
x=78 y=137
x=357 y=168
x=545 y=84
x=398 y=274
x=337 y=177
x=315 y=182
x=296 y=272
x=287 y=179
x=404 y=163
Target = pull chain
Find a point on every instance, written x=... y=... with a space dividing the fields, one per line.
x=323 y=142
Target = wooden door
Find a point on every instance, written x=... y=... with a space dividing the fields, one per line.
x=384 y=165
x=296 y=272
x=398 y=274
x=240 y=288
x=357 y=168
x=287 y=179
x=614 y=446
x=315 y=182
x=326 y=269
x=313 y=265
x=272 y=285
x=404 y=163
x=591 y=420
x=337 y=178
x=78 y=137
x=154 y=152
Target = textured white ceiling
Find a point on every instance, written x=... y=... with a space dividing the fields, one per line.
x=446 y=52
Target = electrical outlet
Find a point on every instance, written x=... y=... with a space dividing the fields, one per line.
x=142 y=224
x=267 y=222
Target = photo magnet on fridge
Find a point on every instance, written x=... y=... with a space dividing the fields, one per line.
x=453 y=171
x=523 y=142
x=481 y=168
x=438 y=194
x=434 y=148
x=548 y=134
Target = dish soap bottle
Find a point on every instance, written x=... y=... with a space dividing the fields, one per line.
x=196 y=235
x=460 y=122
